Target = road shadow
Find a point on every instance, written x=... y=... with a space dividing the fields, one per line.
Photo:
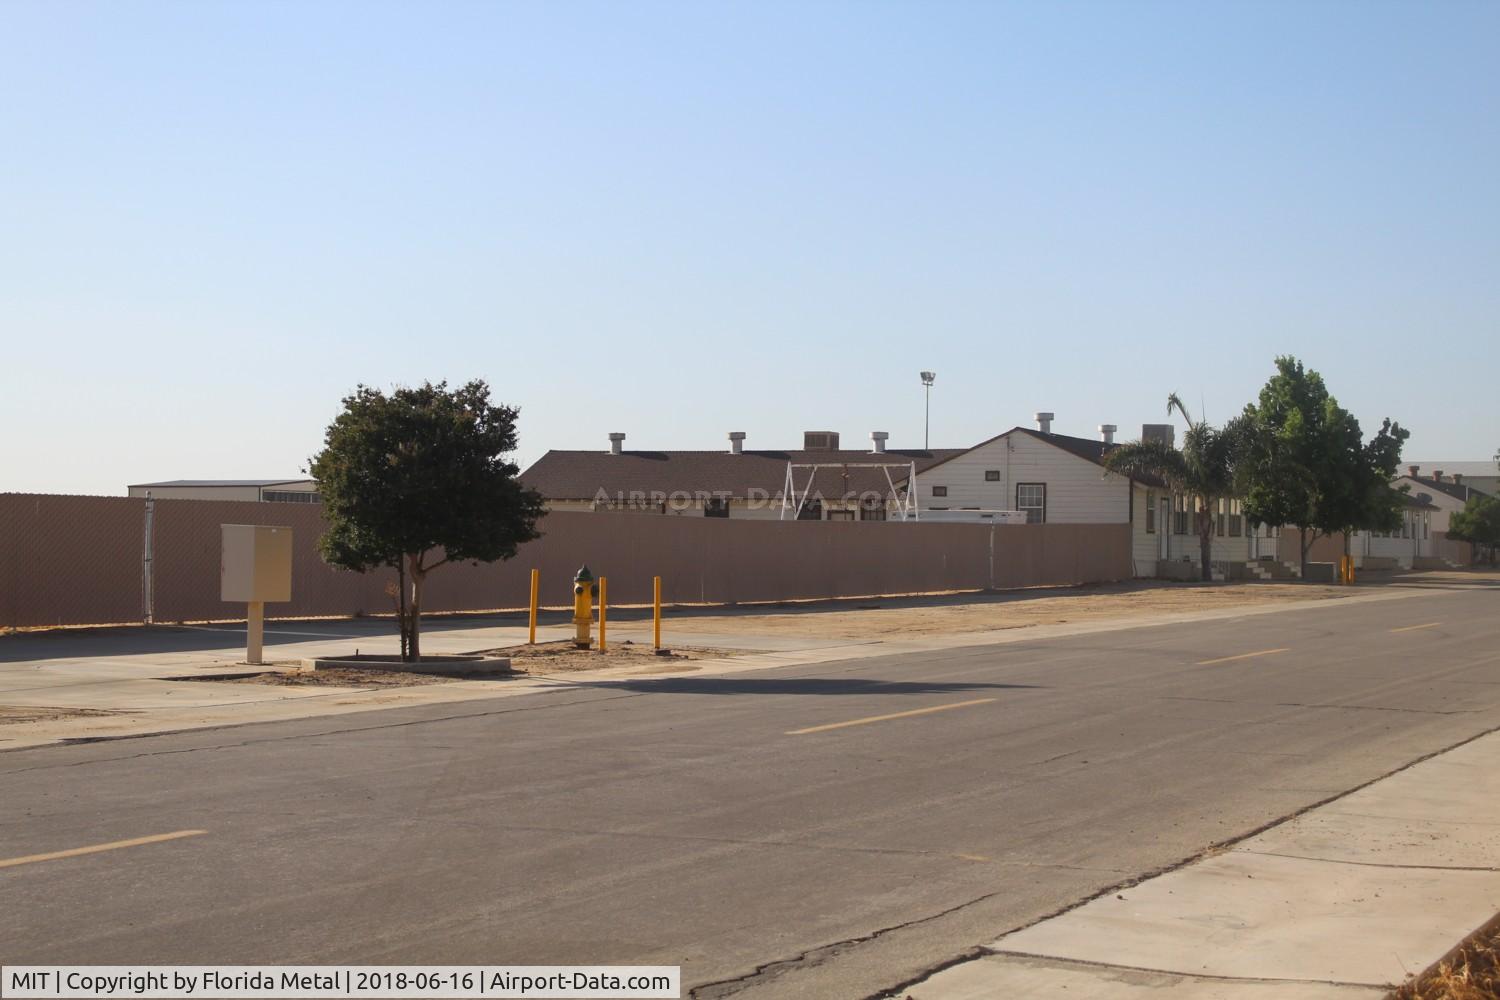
x=145 y=640
x=797 y=685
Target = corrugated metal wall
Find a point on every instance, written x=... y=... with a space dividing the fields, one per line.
x=77 y=560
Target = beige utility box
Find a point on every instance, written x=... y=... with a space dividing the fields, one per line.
x=256 y=565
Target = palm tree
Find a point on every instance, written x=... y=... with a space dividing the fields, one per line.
x=1203 y=469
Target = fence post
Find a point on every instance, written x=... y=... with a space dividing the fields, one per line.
x=536 y=581
x=148 y=582
x=603 y=611
x=656 y=612
x=992 y=557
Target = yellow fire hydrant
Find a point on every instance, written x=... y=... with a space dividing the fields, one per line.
x=583 y=608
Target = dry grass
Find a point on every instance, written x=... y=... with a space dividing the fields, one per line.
x=1472 y=972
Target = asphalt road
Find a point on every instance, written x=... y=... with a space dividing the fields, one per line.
x=730 y=824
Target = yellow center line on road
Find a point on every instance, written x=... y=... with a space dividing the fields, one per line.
x=113 y=845
x=893 y=715
x=1243 y=656
x=1408 y=628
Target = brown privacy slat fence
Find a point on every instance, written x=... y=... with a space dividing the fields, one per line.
x=1330 y=548
x=78 y=560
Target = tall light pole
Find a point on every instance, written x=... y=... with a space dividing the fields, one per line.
x=927 y=378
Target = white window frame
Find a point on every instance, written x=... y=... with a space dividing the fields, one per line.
x=1041 y=508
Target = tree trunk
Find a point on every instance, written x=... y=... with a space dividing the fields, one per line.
x=1303 y=545
x=401 y=625
x=414 y=612
x=1205 y=545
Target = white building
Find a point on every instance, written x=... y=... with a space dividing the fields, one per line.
x=272 y=490
x=1061 y=478
x=1447 y=492
x=1406 y=547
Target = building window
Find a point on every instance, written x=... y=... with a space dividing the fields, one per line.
x=716 y=507
x=841 y=515
x=940 y=491
x=1150 y=513
x=812 y=510
x=992 y=475
x=872 y=510
x=1180 y=515
x=290 y=496
x=1032 y=498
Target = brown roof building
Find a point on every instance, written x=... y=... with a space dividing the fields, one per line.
x=751 y=482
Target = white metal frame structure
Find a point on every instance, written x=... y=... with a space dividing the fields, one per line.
x=906 y=507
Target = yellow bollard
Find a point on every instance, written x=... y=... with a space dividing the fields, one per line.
x=603 y=610
x=656 y=612
x=583 y=608
x=536 y=584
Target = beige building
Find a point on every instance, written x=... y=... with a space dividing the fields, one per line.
x=271 y=490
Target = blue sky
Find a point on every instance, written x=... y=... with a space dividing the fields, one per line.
x=678 y=220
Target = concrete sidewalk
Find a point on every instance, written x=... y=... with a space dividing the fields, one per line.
x=133 y=678
x=1341 y=901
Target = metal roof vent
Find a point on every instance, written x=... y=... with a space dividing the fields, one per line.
x=878 y=440
x=616 y=443
x=1107 y=433
x=1165 y=433
x=820 y=440
x=1044 y=421
x=736 y=442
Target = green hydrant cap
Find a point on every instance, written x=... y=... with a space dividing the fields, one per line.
x=583 y=576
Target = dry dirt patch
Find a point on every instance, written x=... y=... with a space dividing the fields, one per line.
x=559 y=657
x=290 y=676
x=543 y=658
x=10 y=714
x=950 y=613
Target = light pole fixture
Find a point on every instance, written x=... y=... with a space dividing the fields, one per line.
x=927 y=378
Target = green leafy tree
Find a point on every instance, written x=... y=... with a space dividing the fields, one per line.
x=1203 y=470
x=419 y=478
x=1304 y=462
x=1378 y=507
x=1479 y=524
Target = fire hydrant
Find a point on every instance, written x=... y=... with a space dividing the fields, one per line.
x=583 y=608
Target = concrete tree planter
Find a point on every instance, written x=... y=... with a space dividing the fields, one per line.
x=446 y=666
